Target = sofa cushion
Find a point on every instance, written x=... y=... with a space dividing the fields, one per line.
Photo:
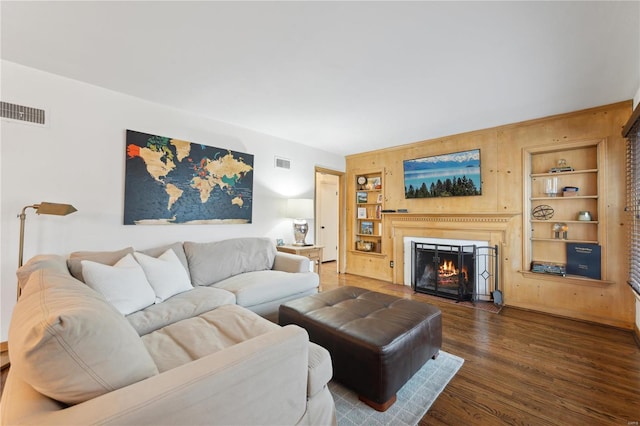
x=193 y=338
x=70 y=344
x=215 y=261
x=254 y=288
x=181 y=306
x=105 y=257
x=177 y=248
x=41 y=261
x=165 y=273
x=320 y=368
x=289 y=262
x=124 y=284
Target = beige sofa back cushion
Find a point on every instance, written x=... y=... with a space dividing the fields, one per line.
x=70 y=344
x=105 y=257
x=41 y=261
x=212 y=262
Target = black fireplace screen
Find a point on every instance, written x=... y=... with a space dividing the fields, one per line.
x=454 y=271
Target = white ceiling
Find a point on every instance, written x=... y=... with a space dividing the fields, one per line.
x=345 y=77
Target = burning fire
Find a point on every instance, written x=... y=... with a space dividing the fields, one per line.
x=448 y=269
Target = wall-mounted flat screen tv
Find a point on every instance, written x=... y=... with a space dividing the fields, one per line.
x=447 y=175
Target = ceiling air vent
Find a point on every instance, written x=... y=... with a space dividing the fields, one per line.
x=21 y=113
x=282 y=163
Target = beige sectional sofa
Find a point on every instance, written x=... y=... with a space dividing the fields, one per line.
x=260 y=277
x=194 y=357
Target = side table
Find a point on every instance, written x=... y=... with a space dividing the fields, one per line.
x=314 y=253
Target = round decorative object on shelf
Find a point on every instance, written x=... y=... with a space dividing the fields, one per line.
x=362 y=181
x=542 y=212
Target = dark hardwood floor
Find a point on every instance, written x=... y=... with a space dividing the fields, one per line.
x=526 y=368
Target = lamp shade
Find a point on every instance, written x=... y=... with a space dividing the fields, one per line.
x=54 y=208
x=300 y=208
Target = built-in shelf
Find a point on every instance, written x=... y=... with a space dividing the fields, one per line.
x=368 y=253
x=558 y=174
x=569 y=279
x=368 y=202
x=576 y=197
x=586 y=222
x=587 y=158
x=560 y=240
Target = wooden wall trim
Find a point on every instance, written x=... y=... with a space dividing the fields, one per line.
x=635 y=117
x=444 y=217
x=4 y=346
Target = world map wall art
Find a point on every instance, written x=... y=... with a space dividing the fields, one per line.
x=171 y=181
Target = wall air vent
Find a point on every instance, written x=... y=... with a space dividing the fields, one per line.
x=282 y=163
x=21 y=113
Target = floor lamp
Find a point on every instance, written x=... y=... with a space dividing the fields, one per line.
x=42 y=208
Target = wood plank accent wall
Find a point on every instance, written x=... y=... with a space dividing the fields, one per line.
x=502 y=194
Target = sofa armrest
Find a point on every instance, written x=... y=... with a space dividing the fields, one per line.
x=238 y=385
x=288 y=262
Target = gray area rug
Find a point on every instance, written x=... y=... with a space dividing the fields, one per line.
x=414 y=399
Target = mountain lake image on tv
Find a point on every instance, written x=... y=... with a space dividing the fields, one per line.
x=447 y=175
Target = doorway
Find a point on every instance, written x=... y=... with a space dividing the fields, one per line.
x=328 y=217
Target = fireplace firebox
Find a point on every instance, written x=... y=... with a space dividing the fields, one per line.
x=458 y=272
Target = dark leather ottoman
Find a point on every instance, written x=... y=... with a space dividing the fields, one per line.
x=377 y=342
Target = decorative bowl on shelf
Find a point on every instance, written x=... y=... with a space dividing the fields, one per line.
x=585 y=216
x=364 y=245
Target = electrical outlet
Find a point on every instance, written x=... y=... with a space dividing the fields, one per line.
x=391 y=264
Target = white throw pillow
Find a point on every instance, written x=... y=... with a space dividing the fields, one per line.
x=124 y=284
x=166 y=274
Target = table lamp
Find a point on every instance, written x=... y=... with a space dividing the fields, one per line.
x=300 y=209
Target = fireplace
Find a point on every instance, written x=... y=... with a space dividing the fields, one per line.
x=456 y=269
x=444 y=270
x=487 y=231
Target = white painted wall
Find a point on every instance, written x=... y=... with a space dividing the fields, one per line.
x=79 y=158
